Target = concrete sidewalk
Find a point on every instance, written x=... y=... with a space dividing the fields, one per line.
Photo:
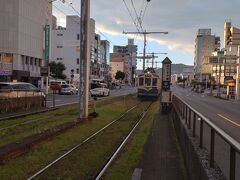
x=161 y=158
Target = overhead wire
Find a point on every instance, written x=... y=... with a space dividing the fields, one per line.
x=69 y=4
x=137 y=16
x=134 y=22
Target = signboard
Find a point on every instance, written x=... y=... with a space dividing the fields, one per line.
x=44 y=71
x=5 y=72
x=166 y=85
x=47 y=42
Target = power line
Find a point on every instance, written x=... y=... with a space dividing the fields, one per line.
x=134 y=22
x=138 y=17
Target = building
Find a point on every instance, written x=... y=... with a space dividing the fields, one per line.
x=188 y=73
x=119 y=62
x=231 y=36
x=24 y=47
x=54 y=22
x=66 y=49
x=205 y=44
x=66 y=45
x=131 y=51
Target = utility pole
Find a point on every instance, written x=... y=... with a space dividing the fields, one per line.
x=153 y=56
x=84 y=59
x=145 y=40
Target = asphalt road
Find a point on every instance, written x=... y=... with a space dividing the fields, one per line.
x=70 y=99
x=224 y=114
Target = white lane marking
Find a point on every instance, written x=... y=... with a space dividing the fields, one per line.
x=236 y=124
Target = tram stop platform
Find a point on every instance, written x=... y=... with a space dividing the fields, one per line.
x=161 y=159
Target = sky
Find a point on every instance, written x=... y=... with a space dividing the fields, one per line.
x=180 y=18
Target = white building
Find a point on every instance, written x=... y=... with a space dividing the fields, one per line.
x=66 y=44
x=66 y=49
x=22 y=39
x=205 y=44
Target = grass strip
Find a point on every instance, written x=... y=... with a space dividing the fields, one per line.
x=20 y=128
x=124 y=165
x=42 y=154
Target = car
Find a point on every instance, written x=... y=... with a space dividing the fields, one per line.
x=100 y=90
x=68 y=89
x=74 y=89
x=19 y=89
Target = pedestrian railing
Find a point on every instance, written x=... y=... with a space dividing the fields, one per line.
x=190 y=117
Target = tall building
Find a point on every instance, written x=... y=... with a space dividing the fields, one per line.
x=231 y=35
x=65 y=49
x=24 y=46
x=205 y=44
x=130 y=51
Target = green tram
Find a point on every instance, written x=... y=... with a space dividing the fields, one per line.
x=149 y=84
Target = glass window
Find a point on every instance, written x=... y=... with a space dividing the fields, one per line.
x=7 y=58
x=148 y=81
x=5 y=86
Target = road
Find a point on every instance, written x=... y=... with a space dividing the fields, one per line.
x=223 y=113
x=70 y=99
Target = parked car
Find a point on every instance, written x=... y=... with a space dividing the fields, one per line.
x=100 y=90
x=74 y=89
x=68 y=89
x=19 y=89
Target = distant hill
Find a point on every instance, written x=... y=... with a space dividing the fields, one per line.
x=176 y=68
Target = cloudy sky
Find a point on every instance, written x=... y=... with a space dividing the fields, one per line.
x=181 y=18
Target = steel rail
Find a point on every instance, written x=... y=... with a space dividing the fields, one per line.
x=80 y=144
x=107 y=164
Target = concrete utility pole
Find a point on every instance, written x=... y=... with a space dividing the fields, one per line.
x=145 y=40
x=84 y=58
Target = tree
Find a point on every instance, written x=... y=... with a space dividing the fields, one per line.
x=120 y=75
x=56 y=70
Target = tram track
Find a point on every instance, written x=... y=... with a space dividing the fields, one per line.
x=107 y=129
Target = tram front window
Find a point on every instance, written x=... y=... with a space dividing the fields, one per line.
x=147 y=81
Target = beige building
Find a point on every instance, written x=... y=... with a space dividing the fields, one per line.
x=231 y=36
x=119 y=62
x=22 y=39
x=205 y=44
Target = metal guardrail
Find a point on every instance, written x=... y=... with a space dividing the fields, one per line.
x=190 y=115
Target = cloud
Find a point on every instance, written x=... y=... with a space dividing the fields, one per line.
x=181 y=18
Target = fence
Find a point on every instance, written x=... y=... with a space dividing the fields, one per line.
x=222 y=149
x=21 y=101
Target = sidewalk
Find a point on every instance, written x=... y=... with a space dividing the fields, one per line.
x=161 y=159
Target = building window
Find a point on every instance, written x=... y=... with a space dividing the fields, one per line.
x=59 y=46
x=77 y=60
x=59 y=58
x=35 y=63
x=7 y=58
x=78 y=37
x=77 y=71
x=31 y=61
x=26 y=61
x=59 y=34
